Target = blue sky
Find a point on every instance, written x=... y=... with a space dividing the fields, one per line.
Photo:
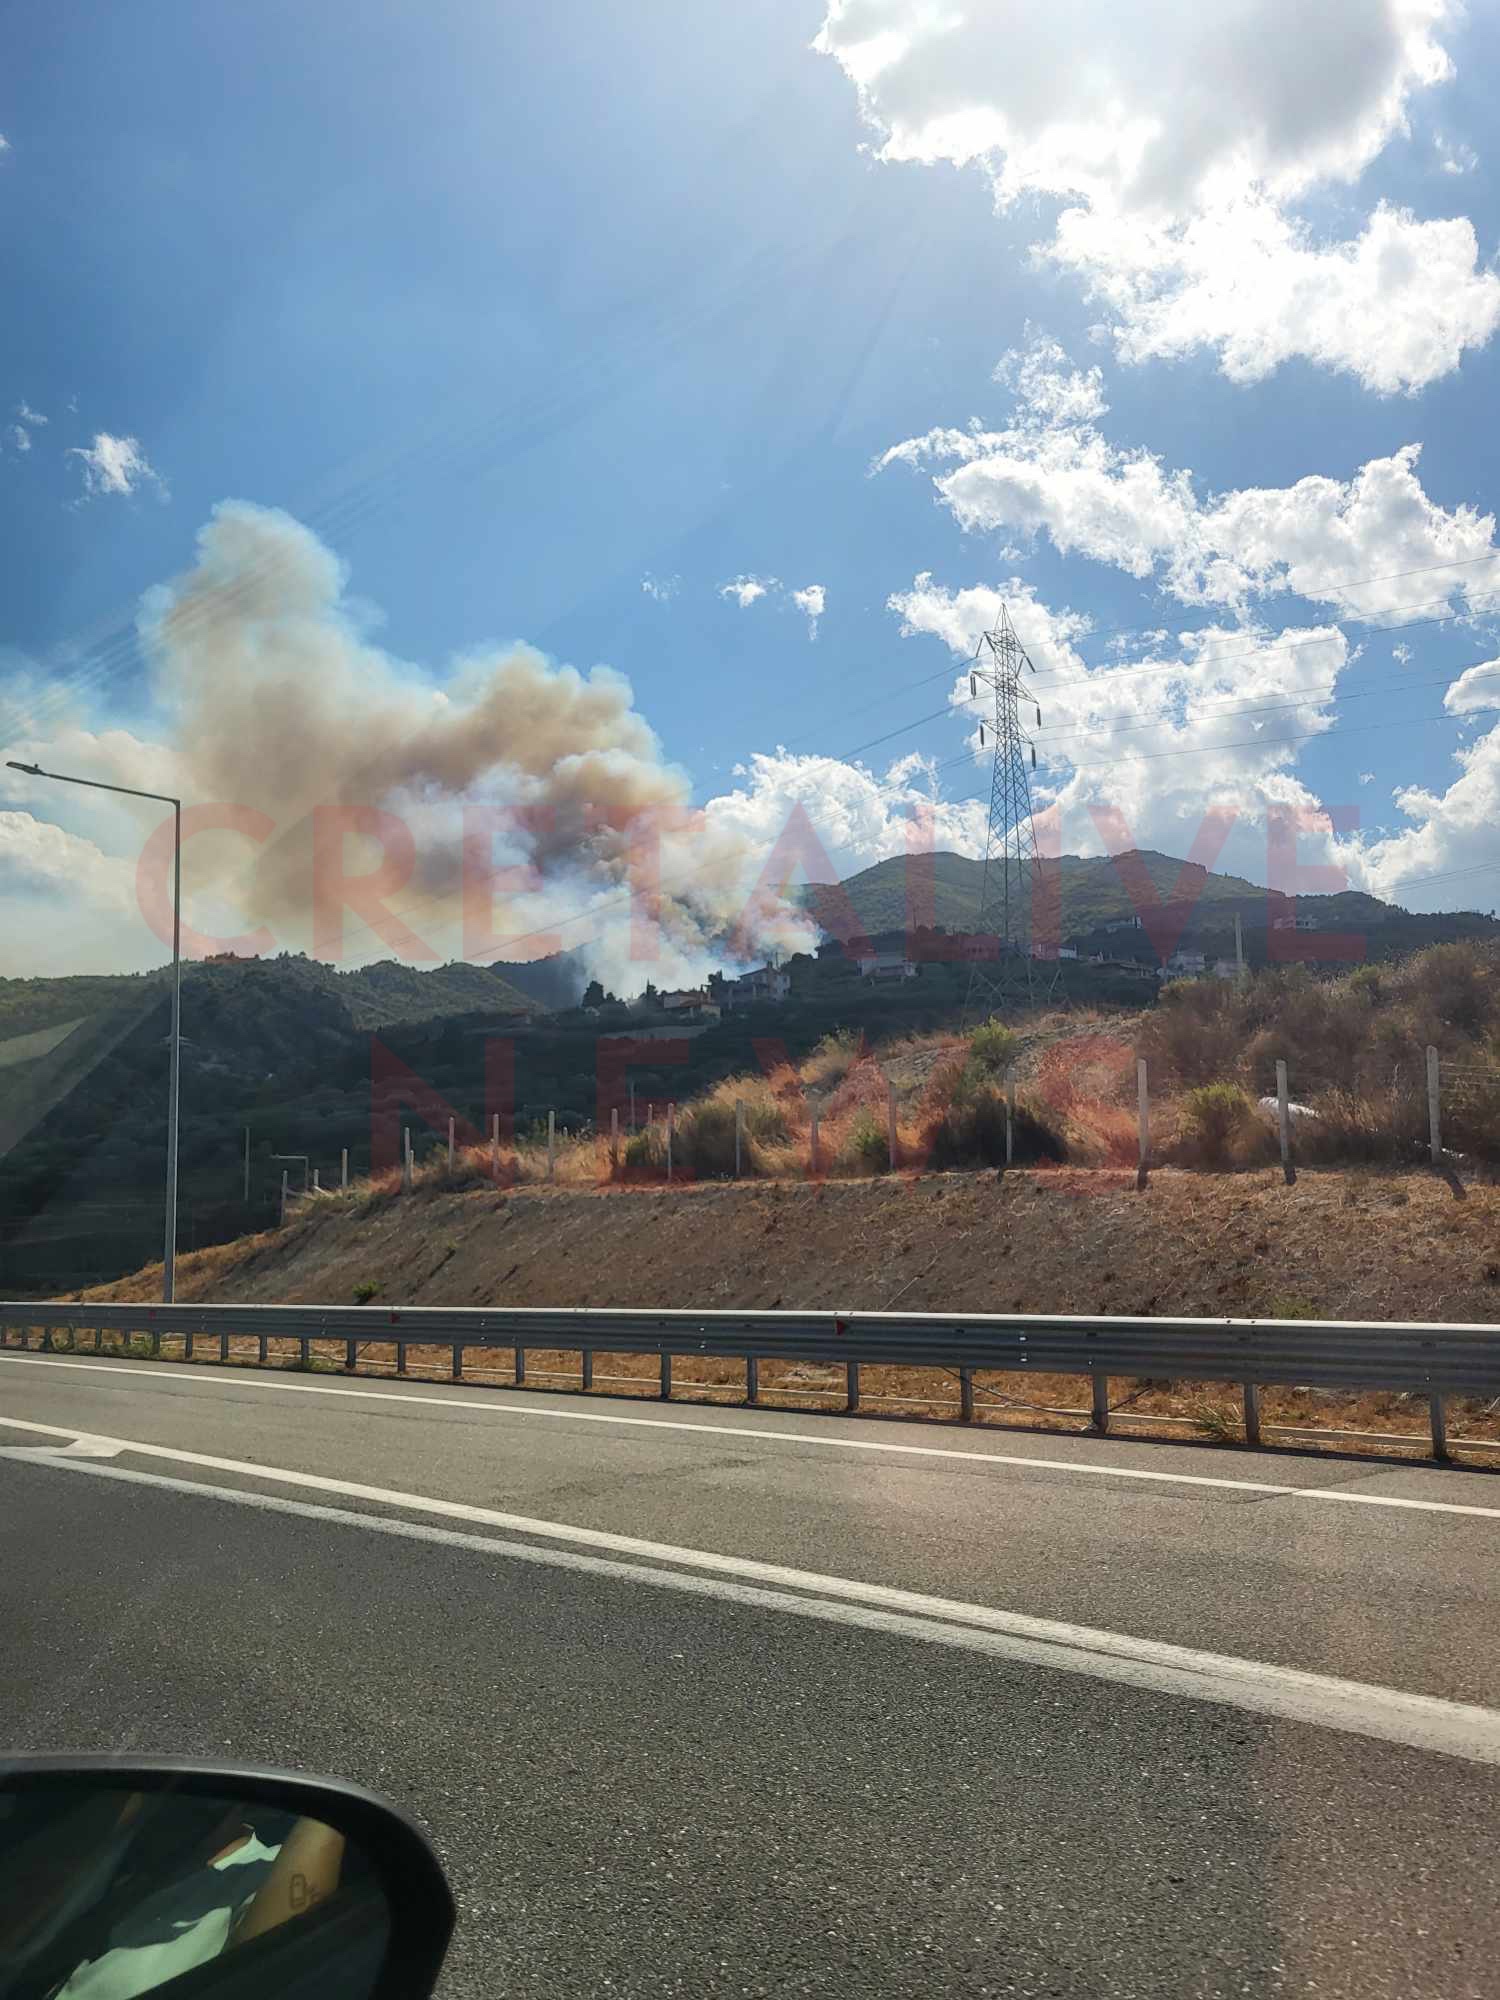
x=513 y=312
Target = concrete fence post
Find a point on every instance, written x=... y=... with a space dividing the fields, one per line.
x=812 y=1142
x=1010 y=1114
x=1284 y=1124
x=283 y=1197
x=892 y=1146
x=1434 y=1109
x=406 y=1161
x=671 y=1128
x=450 y=1145
x=344 y=1171
x=739 y=1135
x=317 y=1180
x=614 y=1138
x=551 y=1145
x=495 y=1147
x=1143 y=1111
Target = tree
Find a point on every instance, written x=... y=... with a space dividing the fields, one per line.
x=593 y=995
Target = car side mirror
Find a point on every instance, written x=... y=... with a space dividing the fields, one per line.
x=122 y=1877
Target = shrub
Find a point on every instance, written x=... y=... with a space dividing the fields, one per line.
x=1217 y=1120
x=971 y=1133
x=833 y=1058
x=643 y=1157
x=866 y=1146
x=992 y=1049
x=703 y=1144
x=365 y=1290
x=1193 y=1034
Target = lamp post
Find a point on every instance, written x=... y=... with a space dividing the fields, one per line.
x=169 y=1257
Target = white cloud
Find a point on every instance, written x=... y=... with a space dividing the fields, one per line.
x=957 y=617
x=1451 y=831
x=1454 y=156
x=1401 y=653
x=28 y=415
x=1178 y=137
x=1213 y=721
x=859 y=817
x=37 y=856
x=1477 y=687
x=20 y=437
x=1396 y=306
x=1316 y=539
x=1049 y=390
x=811 y=602
x=1163 y=108
x=662 y=589
x=116 y=465
x=746 y=590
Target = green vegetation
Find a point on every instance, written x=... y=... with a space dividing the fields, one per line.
x=992 y=1049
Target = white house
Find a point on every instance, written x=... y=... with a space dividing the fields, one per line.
x=766 y=982
x=1123 y=924
x=886 y=965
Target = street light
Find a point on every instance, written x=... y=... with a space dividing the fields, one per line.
x=169 y=1258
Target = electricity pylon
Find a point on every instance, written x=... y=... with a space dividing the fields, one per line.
x=1012 y=860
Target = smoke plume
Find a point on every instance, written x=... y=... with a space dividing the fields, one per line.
x=282 y=704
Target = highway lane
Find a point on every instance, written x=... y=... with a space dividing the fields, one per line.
x=644 y=1790
x=1109 y=1534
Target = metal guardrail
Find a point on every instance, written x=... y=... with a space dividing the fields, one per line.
x=1432 y=1360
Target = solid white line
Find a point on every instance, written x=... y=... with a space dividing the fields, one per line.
x=243 y=1379
x=1421 y=1722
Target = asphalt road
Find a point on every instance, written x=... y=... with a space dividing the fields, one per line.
x=724 y=1702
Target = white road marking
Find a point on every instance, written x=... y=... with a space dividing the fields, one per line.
x=81 y=1447
x=237 y=1379
x=1420 y=1722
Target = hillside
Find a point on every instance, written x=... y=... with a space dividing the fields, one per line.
x=371 y=996
x=1092 y=891
x=268 y=1044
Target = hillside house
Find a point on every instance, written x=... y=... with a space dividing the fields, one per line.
x=886 y=965
x=767 y=983
x=690 y=1004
